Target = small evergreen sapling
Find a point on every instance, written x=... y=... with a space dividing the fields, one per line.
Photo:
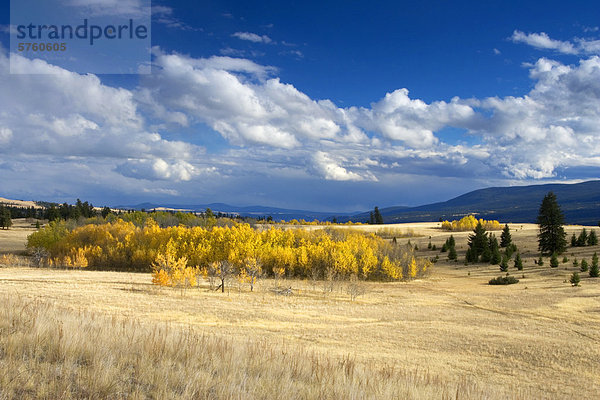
x=584 y=266
x=451 y=241
x=594 y=271
x=504 y=264
x=554 y=261
x=518 y=262
x=575 y=279
x=452 y=253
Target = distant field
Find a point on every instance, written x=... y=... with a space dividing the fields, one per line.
x=448 y=336
x=15 y=238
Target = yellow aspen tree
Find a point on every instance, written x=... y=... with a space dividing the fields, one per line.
x=412 y=268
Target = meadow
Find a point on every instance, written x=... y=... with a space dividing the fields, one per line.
x=103 y=334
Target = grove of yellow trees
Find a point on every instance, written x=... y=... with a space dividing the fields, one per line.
x=469 y=223
x=178 y=255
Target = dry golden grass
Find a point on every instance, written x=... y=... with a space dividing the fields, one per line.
x=49 y=352
x=448 y=336
x=14 y=240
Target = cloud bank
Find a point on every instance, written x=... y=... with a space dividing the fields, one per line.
x=275 y=132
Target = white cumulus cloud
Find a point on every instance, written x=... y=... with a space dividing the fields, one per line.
x=252 y=37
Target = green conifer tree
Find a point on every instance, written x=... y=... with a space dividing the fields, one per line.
x=504 y=264
x=592 y=239
x=582 y=239
x=505 y=239
x=594 y=271
x=478 y=244
x=554 y=261
x=518 y=262
x=575 y=279
x=452 y=253
x=551 y=237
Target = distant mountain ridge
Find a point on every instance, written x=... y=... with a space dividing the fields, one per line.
x=580 y=204
x=246 y=211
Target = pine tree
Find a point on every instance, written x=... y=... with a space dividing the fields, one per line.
x=594 y=271
x=592 y=239
x=105 y=212
x=573 y=241
x=478 y=244
x=505 y=239
x=452 y=253
x=518 y=262
x=5 y=218
x=495 y=256
x=594 y=268
x=575 y=279
x=551 y=238
x=504 y=264
x=371 y=218
x=582 y=239
x=510 y=250
x=451 y=241
x=584 y=266
x=554 y=261
x=377 y=216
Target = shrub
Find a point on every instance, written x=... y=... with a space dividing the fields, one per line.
x=503 y=280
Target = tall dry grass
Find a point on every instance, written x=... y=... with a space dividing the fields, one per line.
x=53 y=353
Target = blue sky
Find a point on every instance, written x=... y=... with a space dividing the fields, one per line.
x=338 y=107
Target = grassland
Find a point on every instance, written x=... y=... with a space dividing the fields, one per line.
x=448 y=336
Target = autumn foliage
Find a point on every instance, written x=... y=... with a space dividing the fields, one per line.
x=178 y=255
x=469 y=223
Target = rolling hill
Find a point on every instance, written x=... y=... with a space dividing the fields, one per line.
x=579 y=202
